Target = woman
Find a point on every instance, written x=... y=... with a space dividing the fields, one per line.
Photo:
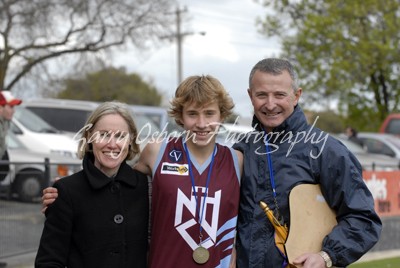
x=100 y=218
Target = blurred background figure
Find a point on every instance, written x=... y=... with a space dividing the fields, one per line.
x=351 y=134
x=7 y=103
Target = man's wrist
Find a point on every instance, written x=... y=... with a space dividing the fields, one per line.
x=327 y=259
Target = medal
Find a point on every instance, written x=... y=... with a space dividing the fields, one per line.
x=201 y=255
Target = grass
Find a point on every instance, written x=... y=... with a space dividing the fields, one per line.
x=384 y=263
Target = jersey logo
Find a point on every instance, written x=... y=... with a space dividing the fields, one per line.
x=175 y=155
x=174 y=169
x=209 y=224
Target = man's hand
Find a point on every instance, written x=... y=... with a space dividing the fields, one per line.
x=49 y=195
x=310 y=260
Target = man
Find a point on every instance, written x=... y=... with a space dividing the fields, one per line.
x=352 y=135
x=287 y=152
x=7 y=103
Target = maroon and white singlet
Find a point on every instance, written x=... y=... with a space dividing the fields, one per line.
x=175 y=226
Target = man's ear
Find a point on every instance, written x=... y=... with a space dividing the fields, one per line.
x=297 y=95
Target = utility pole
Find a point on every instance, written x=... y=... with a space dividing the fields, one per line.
x=179 y=39
x=179 y=36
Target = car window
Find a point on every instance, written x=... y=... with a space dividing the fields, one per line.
x=32 y=122
x=70 y=120
x=378 y=147
x=395 y=141
x=352 y=146
x=393 y=126
x=13 y=142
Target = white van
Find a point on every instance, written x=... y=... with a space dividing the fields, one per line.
x=69 y=116
x=38 y=136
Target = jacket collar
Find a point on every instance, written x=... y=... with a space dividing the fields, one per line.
x=98 y=179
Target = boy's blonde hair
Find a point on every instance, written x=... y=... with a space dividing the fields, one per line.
x=202 y=90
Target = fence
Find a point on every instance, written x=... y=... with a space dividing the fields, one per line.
x=25 y=180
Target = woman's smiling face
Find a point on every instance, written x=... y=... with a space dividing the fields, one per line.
x=110 y=139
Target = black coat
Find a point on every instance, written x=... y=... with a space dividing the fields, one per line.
x=97 y=221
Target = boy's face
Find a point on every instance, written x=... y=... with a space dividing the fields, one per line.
x=202 y=122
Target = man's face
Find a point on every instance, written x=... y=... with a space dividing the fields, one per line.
x=7 y=112
x=273 y=98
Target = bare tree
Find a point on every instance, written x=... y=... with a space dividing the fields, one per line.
x=34 y=31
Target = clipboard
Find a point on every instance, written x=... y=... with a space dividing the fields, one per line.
x=311 y=219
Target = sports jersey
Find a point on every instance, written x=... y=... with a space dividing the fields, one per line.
x=175 y=211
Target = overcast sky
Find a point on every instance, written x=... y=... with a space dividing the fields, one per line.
x=228 y=50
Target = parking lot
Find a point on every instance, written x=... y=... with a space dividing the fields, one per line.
x=21 y=227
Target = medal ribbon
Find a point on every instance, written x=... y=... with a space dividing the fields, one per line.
x=272 y=180
x=193 y=184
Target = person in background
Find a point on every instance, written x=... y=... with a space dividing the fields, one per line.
x=7 y=103
x=195 y=182
x=100 y=218
x=284 y=153
x=351 y=134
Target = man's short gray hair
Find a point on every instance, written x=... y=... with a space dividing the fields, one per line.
x=276 y=66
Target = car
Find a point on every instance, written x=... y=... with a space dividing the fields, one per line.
x=229 y=134
x=369 y=161
x=28 y=174
x=391 y=124
x=69 y=116
x=39 y=136
x=381 y=143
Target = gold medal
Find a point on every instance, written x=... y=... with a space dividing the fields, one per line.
x=201 y=255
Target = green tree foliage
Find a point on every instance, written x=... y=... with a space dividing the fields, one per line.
x=327 y=121
x=348 y=50
x=111 y=84
x=32 y=32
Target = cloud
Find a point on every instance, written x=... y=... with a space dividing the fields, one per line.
x=228 y=50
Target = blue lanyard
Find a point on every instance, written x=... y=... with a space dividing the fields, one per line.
x=193 y=183
x=271 y=171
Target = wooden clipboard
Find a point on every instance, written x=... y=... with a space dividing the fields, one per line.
x=311 y=219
